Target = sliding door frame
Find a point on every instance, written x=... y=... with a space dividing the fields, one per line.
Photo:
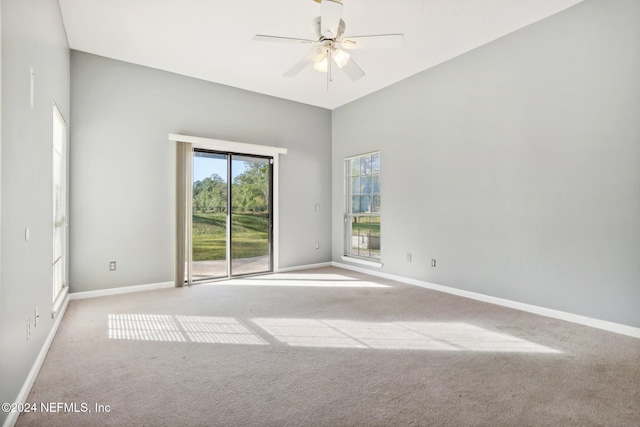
x=250 y=150
x=270 y=234
x=189 y=217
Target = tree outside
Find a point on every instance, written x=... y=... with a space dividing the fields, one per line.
x=250 y=214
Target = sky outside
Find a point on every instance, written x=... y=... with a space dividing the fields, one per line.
x=204 y=167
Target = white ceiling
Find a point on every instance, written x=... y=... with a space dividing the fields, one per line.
x=212 y=39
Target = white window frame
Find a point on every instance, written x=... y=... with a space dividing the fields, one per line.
x=59 y=204
x=349 y=256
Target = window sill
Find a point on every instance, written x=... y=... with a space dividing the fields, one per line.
x=376 y=264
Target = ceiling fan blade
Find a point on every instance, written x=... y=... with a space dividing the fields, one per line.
x=295 y=70
x=331 y=11
x=277 y=39
x=352 y=70
x=375 y=41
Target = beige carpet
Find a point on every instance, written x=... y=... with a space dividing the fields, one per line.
x=329 y=348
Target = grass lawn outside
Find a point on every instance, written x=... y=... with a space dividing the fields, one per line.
x=250 y=235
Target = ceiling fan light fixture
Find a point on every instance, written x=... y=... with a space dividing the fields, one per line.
x=340 y=57
x=318 y=54
x=322 y=66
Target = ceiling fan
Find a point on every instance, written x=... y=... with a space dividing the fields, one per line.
x=328 y=29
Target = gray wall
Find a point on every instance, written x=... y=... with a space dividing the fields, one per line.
x=122 y=166
x=516 y=166
x=32 y=35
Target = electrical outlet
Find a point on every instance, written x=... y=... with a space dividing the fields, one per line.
x=112 y=266
x=36 y=318
x=433 y=262
x=408 y=257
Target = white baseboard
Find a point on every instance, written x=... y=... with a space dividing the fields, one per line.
x=548 y=312
x=12 y=418
x=305 y=267
x=122 y=290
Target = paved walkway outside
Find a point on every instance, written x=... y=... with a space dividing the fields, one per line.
x=218 y=268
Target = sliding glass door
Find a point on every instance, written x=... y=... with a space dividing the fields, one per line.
x=231 y=216
x=209 y=216
x=250 y=215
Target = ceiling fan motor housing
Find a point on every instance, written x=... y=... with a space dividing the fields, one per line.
x=316 y=31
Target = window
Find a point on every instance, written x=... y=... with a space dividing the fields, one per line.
x=362 y=219
x=59 y=200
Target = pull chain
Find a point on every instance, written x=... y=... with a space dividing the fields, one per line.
x=329 y=79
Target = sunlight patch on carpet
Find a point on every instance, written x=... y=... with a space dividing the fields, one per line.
x=434 y=336
x=217 y=330
x=145 y=327
x=333 y=333
x=170 y=328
